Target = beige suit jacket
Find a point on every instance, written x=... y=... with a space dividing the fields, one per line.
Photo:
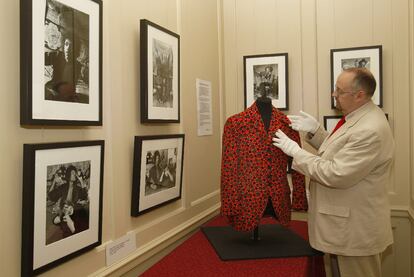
x=349 y=212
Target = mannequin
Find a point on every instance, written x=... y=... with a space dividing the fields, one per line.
x=264 y=105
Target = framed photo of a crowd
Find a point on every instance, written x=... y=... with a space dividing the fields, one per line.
x=369 y=57
x=61 y=62
x=160 y=74
x=157 y=171
x=266 y=76
x=62 y=202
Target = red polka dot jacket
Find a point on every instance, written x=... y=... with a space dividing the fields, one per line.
x=253 y=170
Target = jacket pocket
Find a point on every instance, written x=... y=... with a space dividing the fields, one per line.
x=332 y=225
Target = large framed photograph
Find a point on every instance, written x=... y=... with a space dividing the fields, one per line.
x=369 y=57
x=266 y=76
x=61 y=62
x=62 y=202
x=160 y=73
x=157 y=171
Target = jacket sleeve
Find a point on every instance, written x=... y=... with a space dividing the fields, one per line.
x=230 y=204
x=299 y=200
x=347 y=167
x=318 y=138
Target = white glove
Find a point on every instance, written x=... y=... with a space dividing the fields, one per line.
x=288 y=146
x=304 y=122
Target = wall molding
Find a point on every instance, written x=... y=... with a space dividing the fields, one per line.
x=411 y=214
x=205 y=198
x=181 y=230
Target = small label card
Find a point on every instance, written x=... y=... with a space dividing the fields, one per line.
x=120 y=248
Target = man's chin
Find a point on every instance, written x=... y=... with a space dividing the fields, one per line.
x=338 y=106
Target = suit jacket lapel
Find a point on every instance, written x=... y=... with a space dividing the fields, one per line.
x=344 y=128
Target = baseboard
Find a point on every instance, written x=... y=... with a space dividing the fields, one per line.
x=179 y=231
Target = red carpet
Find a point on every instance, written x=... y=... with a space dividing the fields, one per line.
x=196 y=257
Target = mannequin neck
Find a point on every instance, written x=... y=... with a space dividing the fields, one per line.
x=264 y=105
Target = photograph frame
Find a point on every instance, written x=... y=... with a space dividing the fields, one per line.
x=364 y=56
x=48 y=238
x=279 y=92
x=330 y=121
x=160 y=74
x=150 y=192
x=61 y=62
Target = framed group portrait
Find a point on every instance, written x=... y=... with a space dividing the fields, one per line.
x=369 y=57
x=266 y=76
x=160 y=74
x=157 y=171
x=62 y=202
x=61 y=62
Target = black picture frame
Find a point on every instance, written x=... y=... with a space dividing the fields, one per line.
x=152 y=188
x=365 y=56
x=160 y=74
x=58 y=225
x=266 y=73
x=330 y=121
x=61 y=62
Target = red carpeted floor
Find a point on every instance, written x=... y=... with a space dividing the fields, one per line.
x=196 y=257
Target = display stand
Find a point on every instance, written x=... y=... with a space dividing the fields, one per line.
x=276 y=241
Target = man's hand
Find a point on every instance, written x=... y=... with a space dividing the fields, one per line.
x=304 y=122
x=288 y=146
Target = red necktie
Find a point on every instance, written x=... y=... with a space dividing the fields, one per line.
x=338 y=125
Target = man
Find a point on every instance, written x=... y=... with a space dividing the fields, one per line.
x=66 y=73
x=349 y=215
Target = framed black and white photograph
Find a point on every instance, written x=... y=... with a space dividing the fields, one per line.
x=369 y=57
x=62 y=202
x=330 y=121
x=157 y=171
x=160 y=73
x=61 y=62
x=266 y=76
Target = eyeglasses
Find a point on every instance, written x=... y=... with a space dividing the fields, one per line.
x=340 y=92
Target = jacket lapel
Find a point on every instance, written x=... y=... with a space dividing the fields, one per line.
x=348 y=124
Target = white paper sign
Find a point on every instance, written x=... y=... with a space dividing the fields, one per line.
x=120 y=248
x=204 y=111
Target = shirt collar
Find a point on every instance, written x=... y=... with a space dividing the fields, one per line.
x=352 y=114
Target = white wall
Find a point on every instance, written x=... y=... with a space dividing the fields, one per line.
x=196 y=22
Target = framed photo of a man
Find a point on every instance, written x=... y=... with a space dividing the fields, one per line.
x=369 y=57
x=61 y=62
x=266 y=76
x=157 y=171
x=62 y=202
x=160 y=73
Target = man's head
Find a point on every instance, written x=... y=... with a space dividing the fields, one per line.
x=354 y=88
x=268 y=69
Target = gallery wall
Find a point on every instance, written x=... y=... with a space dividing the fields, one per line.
x=196 y=21
x=307 y=30
x=215 y=35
